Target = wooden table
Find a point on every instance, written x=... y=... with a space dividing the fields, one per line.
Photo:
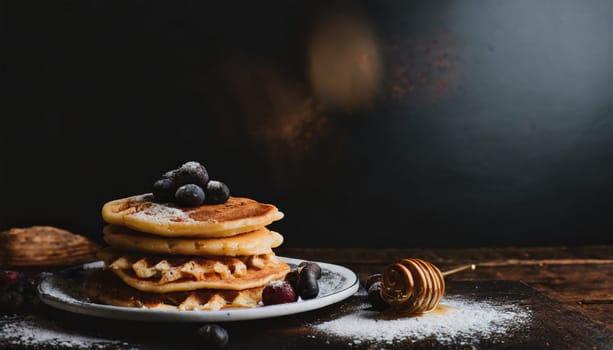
x=571 y=288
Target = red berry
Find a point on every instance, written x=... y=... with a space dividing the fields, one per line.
x=278 y=292
x=8 y=277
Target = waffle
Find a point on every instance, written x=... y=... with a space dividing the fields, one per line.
x=260 y=241
x=165 y=273
x=104 y=287
x=237 y=215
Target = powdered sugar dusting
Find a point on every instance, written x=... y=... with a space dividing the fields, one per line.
x=329 y=282
x=277 y=284
x=34 y=332
x=191 y=165
x=162 y=213
x=463 y=323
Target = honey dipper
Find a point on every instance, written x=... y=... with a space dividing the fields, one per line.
x=414 y=286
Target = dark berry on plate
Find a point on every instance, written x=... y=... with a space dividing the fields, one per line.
x=313 y=267
x=374 y=296
x=164 y=190
x=191 y=173
x=9 y=278
x=278 y=292
x=292 y=277
x=189 y=195
x=217 y=192
x=372 y=279
x=307 y=286
x=214 y=336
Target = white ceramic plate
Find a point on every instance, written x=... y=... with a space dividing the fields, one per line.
x=62 y=290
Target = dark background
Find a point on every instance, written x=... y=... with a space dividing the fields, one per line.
x=384 y=123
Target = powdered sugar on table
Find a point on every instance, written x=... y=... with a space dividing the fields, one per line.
x=463 y=322
x=31 y=331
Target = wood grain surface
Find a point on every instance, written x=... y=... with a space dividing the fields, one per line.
x=567 y=289
x=580 y=277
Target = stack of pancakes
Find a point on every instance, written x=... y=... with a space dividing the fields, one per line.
x=207 y=257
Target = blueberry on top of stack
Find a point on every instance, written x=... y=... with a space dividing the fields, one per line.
x=190 y=185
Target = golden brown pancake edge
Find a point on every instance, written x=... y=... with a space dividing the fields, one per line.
x=237 y=215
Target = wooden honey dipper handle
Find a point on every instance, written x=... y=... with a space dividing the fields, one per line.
x=459 y=268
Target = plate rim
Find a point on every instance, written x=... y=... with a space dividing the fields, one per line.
x=226 y=315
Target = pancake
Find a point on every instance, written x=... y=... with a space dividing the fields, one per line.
x=103 y=286
x=260 y=241
x=237 y=215
x=164 y=273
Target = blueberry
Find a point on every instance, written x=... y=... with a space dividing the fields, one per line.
x=313 y=267
x=292 y=277
x=214 y=335
x=374 y=296
x=372 y=279
x=307 y=286
x=216 y=192
x=189 y=195
x=164 y=190
x=190 y=173
x=278 y=292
